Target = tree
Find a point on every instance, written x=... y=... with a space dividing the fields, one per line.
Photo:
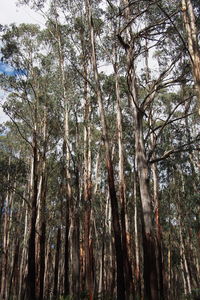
x=100 y=159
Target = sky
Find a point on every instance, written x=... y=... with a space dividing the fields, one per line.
x=11 y=13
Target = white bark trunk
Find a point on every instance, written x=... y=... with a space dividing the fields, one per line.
x=193 y=44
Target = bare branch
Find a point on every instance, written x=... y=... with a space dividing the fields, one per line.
x=173 y=151
x=19 y=130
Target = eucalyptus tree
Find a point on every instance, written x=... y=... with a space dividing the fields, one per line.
x=138 y=34
x=109 y=164
x=63 y=108
x=29 y=107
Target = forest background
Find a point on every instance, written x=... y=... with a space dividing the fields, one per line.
x=99 y=191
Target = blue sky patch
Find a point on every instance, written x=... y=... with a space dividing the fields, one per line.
x=10 y=71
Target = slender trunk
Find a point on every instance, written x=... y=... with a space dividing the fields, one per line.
x=185 y=267
x=42 y=259
x=109 y=166
x=7 y=206
x=42 y=209
x=193 y=44
x=101 y=271
x=127 y=266
x=22 y=270
x=158 y=229
x=14 y=271
x=136 y=237
x=75 y=239
x=76 y=257
x=67 y=254
x=87 y=187
x=56 y=264
x=41 y=229
x=48 y=260
x=169 y=277
x=31 y=276
x=66 y=155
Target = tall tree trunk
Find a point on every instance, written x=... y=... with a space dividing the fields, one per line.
x=76 y=257
x=87 y=195
x=6 y=221
x=68 y=201
x=42 y=209
x=184 y=264
x=31 y=276
x=75 y=240
x=56 y=264
x=87 y=182
x=101 y=268
x=149 y=241
x=14 y=271
x=193 y=44
x=109 y=165
x=127 y=266
x=66 y=155
x=156 y=205
x=22 y=270
x=138 y=275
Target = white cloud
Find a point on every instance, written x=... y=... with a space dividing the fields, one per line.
x=3 y=116
x=11 y=13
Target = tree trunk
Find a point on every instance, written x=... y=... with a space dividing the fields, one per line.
x=6 y=222
x=127 y=266
x=31 y=276
x=109 y=166
x=22 y=270
x=193 y=44
x=14 y=272
x=87 y=185
x=157 y=223
x=66 y=155
x=42 y=209
x=149 y=242
x=76 y=258
x=138 y=275
x=56 y=264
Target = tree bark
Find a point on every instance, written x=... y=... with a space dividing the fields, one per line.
x=87 y=184
x=156 y=204
x=66 y=155
x=127 y=266
x=109 y=165
x=193 y=44
x=14 y=272
x=31 y=276
x=6 y=222
x=149 y=241
x=56 y=264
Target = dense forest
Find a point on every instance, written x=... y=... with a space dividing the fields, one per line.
x=100 y=161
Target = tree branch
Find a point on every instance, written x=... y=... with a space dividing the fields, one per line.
x=173 y=151
x=19 y=130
